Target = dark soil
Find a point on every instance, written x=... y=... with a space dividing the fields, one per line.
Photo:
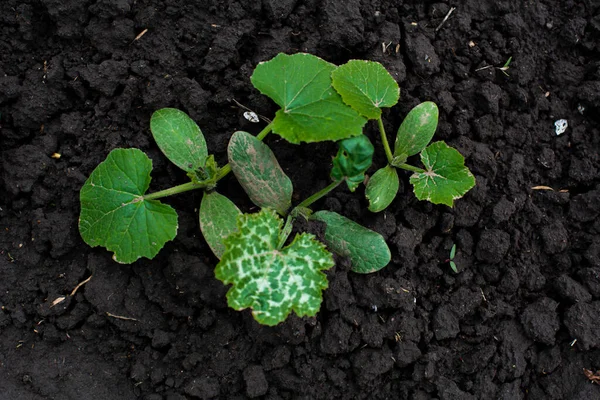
x=520 y=320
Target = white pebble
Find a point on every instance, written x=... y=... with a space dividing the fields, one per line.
x=561 y=126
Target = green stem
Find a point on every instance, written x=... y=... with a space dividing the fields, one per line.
x=226 y=169
x=319 y=194
x=186 y=187
x=261 y=135
x=386 y=145
x=409 y=167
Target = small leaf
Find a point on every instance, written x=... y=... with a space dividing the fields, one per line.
x=382 y=188
x=354 y=157
x=445 y=178
x=259 y=173
x=179 y=138
x=366 y=86
x=453 y=251
x=453 y=266
x=270 y=280
x=218 y=219
x=114 y=213
x=366 y=249
x=311 y=110
x=416 y=130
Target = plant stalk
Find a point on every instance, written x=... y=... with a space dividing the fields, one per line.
x=384 y=140
x=261 y=135
x=186 y=187
x=306 y=203
x=409 y=167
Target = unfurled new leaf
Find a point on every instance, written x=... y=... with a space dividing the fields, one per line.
x=114 y=213
x=259 y=173
x=311 y=110
x=366 y=249
x=179 y=138
x=354 y=157
x=218 y=219
x=417 y=130
x=382 y=188
x=445 y=178
x=366 y=86
x=273 y=281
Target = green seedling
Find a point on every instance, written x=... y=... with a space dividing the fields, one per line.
x=367 y=87
x=272 y=279
x=451 y=259
x=503 y=68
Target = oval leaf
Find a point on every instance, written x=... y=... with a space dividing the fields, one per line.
x=445 y=178
x=366 y=86
x=270 y=280
x=179 y=138
x=354 y=157
x=218 y=219
x=416 y=130
x=114 y=213
x=366 y=249
x=259 y=173
x=311 y=110
x=382 y=188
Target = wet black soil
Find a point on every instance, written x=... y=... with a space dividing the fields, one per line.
x=520 y=319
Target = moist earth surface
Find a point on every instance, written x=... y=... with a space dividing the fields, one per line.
x=519 y=320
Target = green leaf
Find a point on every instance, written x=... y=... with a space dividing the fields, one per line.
x=416 y=130
x=382 y=188
x=114 y=213
x=259 y=173
x=269 y=280
x=366 y=86
x=354 y=157
x=453 y=251
x=311 y=110
x=366 y=249
x=445 y=178
x=218 y=219
x=179 y=138
x=453 y=266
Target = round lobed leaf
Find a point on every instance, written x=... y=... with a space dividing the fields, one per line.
x=257 y=170
x=311 y=110
x=114 y=213
x=445 y=178
x=382 y=188
x=179 y=138
x=366 y=249
x=366 y=86
x=271 y=281
x=218 y=219
x=417 y=130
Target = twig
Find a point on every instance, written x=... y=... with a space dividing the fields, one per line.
x=445 y=18
x=267 y=120
x=80 y=285
x=120 y=317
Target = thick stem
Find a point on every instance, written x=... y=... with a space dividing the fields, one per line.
x=384 y=140
x=306 y=203
x=409 y=167
x=186 y=187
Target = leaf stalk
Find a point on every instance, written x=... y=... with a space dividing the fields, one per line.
x=384 y=140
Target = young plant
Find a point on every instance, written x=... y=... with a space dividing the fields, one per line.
x=451 y=259
x=271 y=278
x=367 y=87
